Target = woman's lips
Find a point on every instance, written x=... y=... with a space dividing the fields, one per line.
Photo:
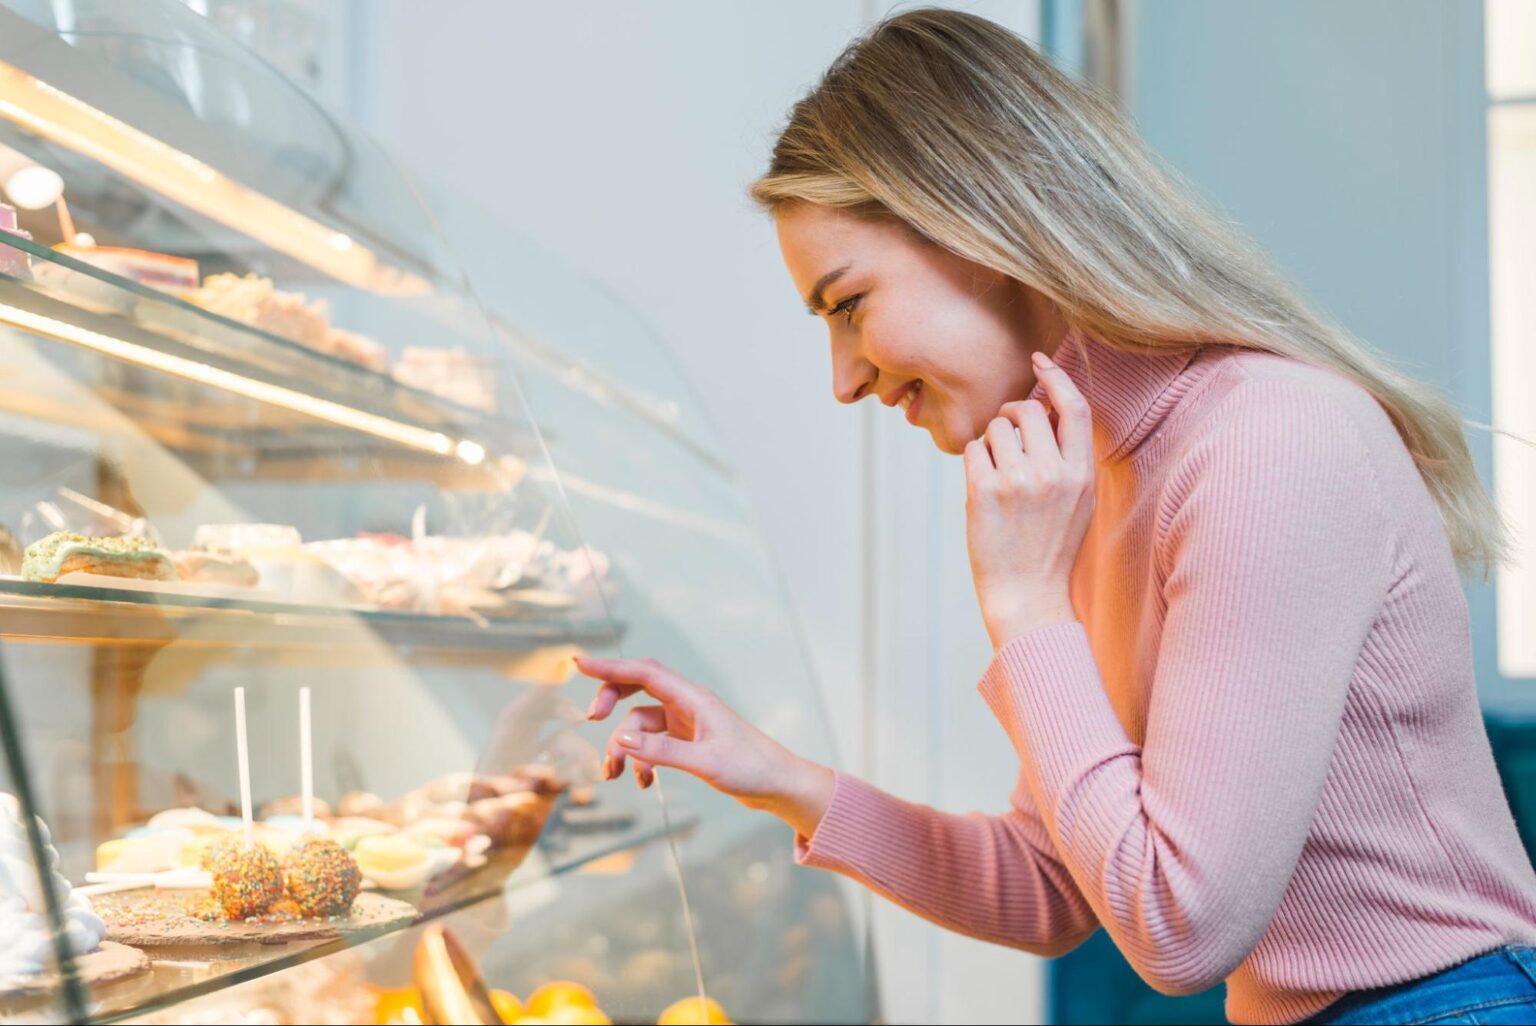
x=915 y=404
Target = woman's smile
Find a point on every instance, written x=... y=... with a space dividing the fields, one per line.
x=906 y=397
x=912 y=402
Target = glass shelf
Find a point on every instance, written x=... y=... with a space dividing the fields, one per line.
x=306 y=395
x=177 y=974
x=35 y=611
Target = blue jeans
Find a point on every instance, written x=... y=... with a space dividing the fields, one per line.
x=1499 y=987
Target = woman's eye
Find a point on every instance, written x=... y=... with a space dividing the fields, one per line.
x=846 y=308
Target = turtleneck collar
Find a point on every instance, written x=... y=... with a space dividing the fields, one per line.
x=1129 y=393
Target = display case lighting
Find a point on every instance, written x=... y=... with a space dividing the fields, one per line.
x=55 y=115
x=472 y=453
x=26 y=183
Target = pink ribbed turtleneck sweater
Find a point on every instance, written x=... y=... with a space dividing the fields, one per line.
x=1258 y=757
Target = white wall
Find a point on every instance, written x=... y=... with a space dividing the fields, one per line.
x=620 y=138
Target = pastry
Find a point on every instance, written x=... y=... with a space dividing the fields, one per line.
x=512 y=820
x=253 y=300
x=206 y=567
x=359 y=803
x=348 y=830
x=385 y=573
x=355 y=348
x=247 y=880
x=540 y=779
x=63 y=552
x=451 y=373
x=281 y=563
x=189 y=816
x=456 y=832
x=394 y=862
x=463 y=787
x=155 y=270
x=293 y=805
x=323 y=878
x=146 y=851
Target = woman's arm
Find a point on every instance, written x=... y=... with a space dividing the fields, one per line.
x=1277 y=560
x=995 y=878
x=992 y=877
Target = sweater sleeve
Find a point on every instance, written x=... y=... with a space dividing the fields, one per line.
x=991 y=877
x=1275 y=561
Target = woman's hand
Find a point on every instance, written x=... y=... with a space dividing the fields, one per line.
x=1029 y=496
x=692 y=730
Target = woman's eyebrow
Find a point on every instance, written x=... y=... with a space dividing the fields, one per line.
x=814 y=302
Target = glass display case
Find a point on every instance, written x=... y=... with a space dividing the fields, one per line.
x=309 y=491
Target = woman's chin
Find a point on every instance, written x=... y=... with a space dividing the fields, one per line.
x=945 y=442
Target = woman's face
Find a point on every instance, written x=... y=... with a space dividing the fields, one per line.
x=941 y=338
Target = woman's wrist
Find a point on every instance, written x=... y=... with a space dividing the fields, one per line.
x=803 y=797
x=1029 y=616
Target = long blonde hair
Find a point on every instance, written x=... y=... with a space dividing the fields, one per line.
x=958 y=128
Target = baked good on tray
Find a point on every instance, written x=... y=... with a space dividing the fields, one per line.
x=253 y=300
x=64 y=552
x=451 y=373
x=313 y=891
x=206 y=567
x=156 y=270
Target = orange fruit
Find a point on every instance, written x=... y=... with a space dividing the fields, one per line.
x=689 y=1011
x=392 y=1003
x=507 y=1005
x=579 y=1015
x=558 y=994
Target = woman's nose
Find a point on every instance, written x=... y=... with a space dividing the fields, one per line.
x=852 y=383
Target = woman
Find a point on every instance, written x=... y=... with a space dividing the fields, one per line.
x=1215 y=544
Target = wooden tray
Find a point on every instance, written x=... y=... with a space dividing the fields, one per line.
x=150 y=918
x=107 y=964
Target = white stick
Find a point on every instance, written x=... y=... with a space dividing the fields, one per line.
x=245 y=767
x=91 y=890
x=306 y=761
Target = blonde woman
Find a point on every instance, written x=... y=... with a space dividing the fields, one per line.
x=1215 y=543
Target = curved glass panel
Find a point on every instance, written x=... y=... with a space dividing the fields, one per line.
x=282 y=446
x=697 y=589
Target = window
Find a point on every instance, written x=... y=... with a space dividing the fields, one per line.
x=1511 y=83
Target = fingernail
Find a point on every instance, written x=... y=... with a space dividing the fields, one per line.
x=1042 y=359
x=628 y=740
x=646 y=779
x=607 y=767
x=592 y=709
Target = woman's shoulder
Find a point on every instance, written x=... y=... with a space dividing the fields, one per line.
x=1281 y=397
x=1301 y=438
